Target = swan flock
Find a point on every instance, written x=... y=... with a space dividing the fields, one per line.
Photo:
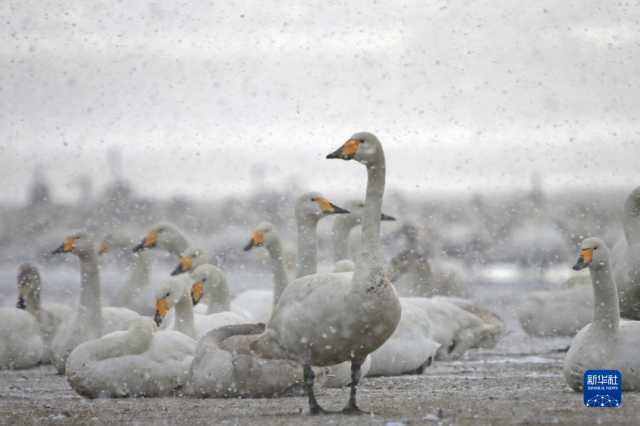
x=185 y=334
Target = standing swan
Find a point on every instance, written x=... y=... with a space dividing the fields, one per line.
x=325 y=319
x=606 y=343
x=91 y=320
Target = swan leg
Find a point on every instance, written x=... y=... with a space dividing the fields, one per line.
x=309 y=377
x=352 y=407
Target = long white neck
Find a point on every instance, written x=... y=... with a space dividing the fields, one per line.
x=370 y=264
x=280 y=277
x=606 y=309
x=139 y=278
x=342 y=226
x=184 y=322
x=217 y=292
x=90 y=308
x=177 y=244
x=307 y=246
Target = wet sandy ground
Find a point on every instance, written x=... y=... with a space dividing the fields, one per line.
x=484 y=388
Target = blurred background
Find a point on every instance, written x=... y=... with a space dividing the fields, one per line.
x=510 y=129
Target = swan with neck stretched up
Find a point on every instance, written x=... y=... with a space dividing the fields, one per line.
x=326 y=319
x=49 y=316
x=90 y=320
x=22 y=343
x=608 y=342
x=626 y=258
x=138 y=362
x=136 y=293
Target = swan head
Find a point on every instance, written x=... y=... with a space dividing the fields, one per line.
x=28 y=283
x=199 y=277
x=79 y=243
x=190 y=260
x=364 y=147
x=314 y=206
x=160 y=236
x=594 y=253
x=262 y=236
x=169 y=293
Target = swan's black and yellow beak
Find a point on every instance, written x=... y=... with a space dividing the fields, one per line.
x=149 y=241
x=584 y=260
x=387 y=217
x=328 y=207
x=347 y=151
x=184 y=265
x=197 y=290
x=21 y=304
x=257 y=240
x=103 y=248
x=162 y=307
x=66 y=247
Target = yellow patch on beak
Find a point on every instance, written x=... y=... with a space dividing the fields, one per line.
x=197 y=290
x=162 y=307
x=69 y=244
x=103 y=248
x=151 y=239
x=587 y=255
x=350 y=147
x=185 y=264
x=324 y=204
x=258 y=238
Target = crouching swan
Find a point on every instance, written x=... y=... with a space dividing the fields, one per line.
x=139 y=362
x=606 y=343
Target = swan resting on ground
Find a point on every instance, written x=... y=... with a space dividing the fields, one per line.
x=91 y=320
x=326 y=319
x=561 y=312
x=22 y=344
x=49 y=316
x=138 y=362
x=606 y=343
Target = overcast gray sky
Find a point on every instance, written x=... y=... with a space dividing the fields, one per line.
x=473 y=94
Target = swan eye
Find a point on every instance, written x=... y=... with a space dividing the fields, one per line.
x=167 y=295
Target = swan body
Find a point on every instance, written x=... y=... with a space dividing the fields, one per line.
x=326 y=319
x=454 y=328
x=606 y=343
x=22 y=345
x=409 y=349
x=133 y=363
x=556 y=313
x=91 y=320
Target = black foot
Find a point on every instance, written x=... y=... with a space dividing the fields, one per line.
x=316 y=410
x=354 y=410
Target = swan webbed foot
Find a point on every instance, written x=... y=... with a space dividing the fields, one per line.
x=354 y=410
x=316 y=410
